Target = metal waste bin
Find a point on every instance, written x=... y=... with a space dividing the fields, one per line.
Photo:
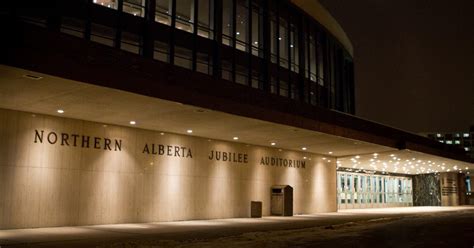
x=282 y=200
x=256 y=209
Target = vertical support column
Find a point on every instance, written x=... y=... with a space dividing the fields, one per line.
x=249 y=41
x=195 y=36
x=266 y=46
x=217 y=43
x=88 y=23
x=233 y=36
x=303 y=92
x=148 y=35
x=277 y=12
x=118 y=25
x=172 y=31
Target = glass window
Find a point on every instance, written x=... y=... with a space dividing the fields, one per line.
x=449 y=142
x=103 y=34
x=130 y=42
x=294 y=90
x=320 y=60
x=226 y=67
x=183 y=57
x=241 y=72
x=73 y=26
x=205 y=18
x=283 y=43
x=257 y=30
x=185 y=15
x=312 y=58
x=227 y=22
x=465 y=135
x=257 y=79
x=161 y=51
x=163 y=11
x=107 y=3
x=204 y=63
x=241 y=25
x=349 y=189
x=273 y=37
x=283 y=88
x=134 y=7
x=468 y=184
x=294 y=51
x=273 y=85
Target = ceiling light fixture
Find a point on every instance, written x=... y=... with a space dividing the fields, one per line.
x=60 y=111
x=189 y=131
x=133 y=122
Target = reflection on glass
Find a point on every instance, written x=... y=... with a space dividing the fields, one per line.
x=320 y=60
x=107 y=3
x=241 y=26
x=257 y=31
x=134 y=7
x=283 y=43
x=227 y=22
x=163 y=11
x=294 y=51
x=185 y=15
x=205 y=19
x=273 y=37
x=312 y=58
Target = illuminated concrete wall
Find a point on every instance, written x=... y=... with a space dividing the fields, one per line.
x=117 y=179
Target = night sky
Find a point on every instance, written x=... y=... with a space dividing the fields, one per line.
x=414 y=61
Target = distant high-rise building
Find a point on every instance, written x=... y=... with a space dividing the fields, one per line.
x=464 y=139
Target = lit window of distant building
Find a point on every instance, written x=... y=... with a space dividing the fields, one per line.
x=442 y=141
x=466 y=149
x=438 y=135
x=457 y=142
x=465 y=135
x=449 y=142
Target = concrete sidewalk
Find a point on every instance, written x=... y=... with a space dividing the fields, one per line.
x=90 y=236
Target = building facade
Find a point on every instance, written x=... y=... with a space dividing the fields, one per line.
x=461 y=139
x=118 y=111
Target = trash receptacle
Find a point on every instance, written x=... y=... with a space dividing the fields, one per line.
x=282 y=200
x=256 y=209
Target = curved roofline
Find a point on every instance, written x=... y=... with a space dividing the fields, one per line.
x=322 y=15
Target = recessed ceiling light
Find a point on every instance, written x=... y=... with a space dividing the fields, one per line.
x=235 y=138
x=60 y=111
x=273 y=143
x=189 y=131
x=303 y=148
x=330 y=152
x=133 y=122
x=162 y=133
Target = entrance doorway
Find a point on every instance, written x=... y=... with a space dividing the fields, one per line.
x=359 y=190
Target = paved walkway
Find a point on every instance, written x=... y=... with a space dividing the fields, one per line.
x=90 y=236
